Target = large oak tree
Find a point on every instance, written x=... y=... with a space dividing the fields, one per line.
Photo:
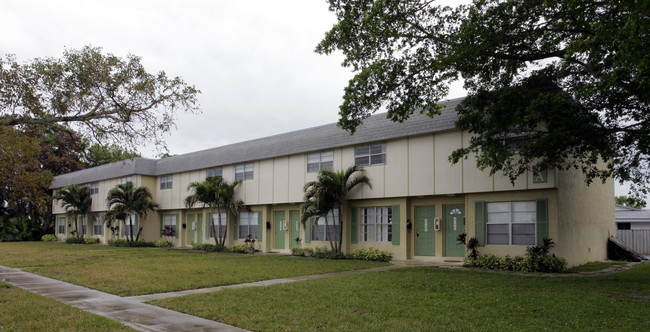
x=560 y=84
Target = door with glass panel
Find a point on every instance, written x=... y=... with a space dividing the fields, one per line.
x=454 y=225
x=425 y=232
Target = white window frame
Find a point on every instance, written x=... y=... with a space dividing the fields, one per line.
x=320 y=160
x=126 y=179
x=94 y=188
x=248 y=224
x=170 y=220
x=244 y=172
x=376 y=224
x=127 y=226
x=370 y=155
x=517 y=217
x=217 y=171
x=166 y=182
x=61 y=225
x=98 y=226
x=319 y=231
x=83 y=220
x=224 y=223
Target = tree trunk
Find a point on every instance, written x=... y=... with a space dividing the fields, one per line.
x=327 y=233
x=76 y=226
x=340 y=227
x=130 y=235
x=214 y=232
x=137 y=238
x=221 y=241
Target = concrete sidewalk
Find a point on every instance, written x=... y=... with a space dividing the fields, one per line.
x=138 y=315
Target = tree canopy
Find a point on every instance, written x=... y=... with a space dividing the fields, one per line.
x=551 y=84
x=108 y=99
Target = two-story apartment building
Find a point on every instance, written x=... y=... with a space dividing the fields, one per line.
x=418 y=204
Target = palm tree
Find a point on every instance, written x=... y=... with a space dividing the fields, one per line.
x=329 y=193
x=216 y=194
x=76 y=201
x=125 y=200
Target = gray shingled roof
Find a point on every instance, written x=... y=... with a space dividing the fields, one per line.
x=374 y=129
x=628 y=214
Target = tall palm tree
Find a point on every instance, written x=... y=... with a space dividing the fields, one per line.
x=124 y=201
x=76 y=201
x=215 y=193
x=329 y=192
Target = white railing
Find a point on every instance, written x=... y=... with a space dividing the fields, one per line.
x=637 y=239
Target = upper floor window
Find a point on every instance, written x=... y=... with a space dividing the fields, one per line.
x=511 y=222
x=244 y=172
x=377 y=224
x=213 y=172
x=370 y=155
x=166 y=182
x=125 y=180
x=321 y=160
x=94 y=188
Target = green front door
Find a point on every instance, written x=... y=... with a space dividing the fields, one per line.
x=279 y=229
x=192 y=226
x=295 y=228
x=454 y=225
x=426 y=234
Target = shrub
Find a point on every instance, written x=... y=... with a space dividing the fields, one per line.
x=537 y=260
x=49 y=238
x=162 y=244
x=371 y=254
x=297 y=251
x=209 y=247
x=91 y=240
x=74 y=240
x=125 y=243
x=239 y=248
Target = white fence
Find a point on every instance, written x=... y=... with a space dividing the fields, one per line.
x=637 y=239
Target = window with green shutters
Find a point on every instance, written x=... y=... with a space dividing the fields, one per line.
x=511 y=223
x=376 y=224
x=248 y=224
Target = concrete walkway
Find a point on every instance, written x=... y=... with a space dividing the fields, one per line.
x=138 y=315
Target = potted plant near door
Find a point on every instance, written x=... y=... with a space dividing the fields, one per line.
x=250 y=244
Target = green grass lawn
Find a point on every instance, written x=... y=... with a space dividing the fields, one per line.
x=21 y=310
x=429 y=298
x=596 y=266
x=136 y=271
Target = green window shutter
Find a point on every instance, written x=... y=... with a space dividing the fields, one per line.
x=260 y=225
x=354 y=224
x=479 y=222
x=308 y=231
x=208 y=225
x=123 y=230
x=161 y=224
x=395 y=228
x=542 y=220
x=235 y=230
x=199 y=226
x=178 y=226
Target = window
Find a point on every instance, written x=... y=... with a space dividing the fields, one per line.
x=318 y=161
x=244 y=172
x=61 y=225
x=83 y=220
x=125 y=180
x=222 y=229
x=376 y=224
x=170 y=220
x=319 y=232
x=130 y=224
x=370 y=155
x=248 y=225
x=511 y=223
x=94 y=188
x=166 y=182
x=623 y=225
x=98 y=226
x=213 y=172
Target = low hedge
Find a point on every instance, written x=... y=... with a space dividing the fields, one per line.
x=548 y=264
x=239 y=249
x=125 y=243
x=371 y=254
x=75 y=240
x=209 y=247
x=49 y=238
x=91 y=240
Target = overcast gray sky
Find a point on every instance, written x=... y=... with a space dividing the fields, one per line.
x=253 y=60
